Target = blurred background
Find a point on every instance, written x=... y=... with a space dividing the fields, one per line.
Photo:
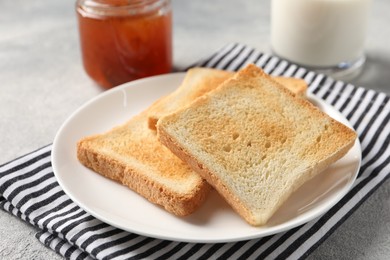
x=39 y=52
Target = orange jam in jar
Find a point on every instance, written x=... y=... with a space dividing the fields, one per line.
x=124 y=40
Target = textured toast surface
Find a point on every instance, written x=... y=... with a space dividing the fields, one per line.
x=254 y=141
x=131 y=154
x=196 y=83
x=199 y=81
x=295 y=85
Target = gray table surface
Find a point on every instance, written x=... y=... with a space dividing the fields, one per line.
x=43 y=81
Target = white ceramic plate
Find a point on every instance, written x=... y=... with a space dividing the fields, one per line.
x=215 y=221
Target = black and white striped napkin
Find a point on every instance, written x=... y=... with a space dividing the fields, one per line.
x=30 y=191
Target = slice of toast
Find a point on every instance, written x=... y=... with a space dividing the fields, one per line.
x=199 y=81
x=131 y=155
x=255 y=142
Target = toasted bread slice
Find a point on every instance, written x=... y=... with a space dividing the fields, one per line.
x=131 y=155
x=199 y=81
x=254 y=141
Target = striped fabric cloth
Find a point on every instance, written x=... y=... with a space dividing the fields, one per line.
x=30 y=191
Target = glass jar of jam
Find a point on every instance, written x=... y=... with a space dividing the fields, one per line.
x=124 y=40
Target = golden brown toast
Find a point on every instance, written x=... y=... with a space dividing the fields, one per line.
x=131 y=155
x=254 y=141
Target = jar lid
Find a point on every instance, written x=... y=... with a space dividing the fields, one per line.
x=120 y=7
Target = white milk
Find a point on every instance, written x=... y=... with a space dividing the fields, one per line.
x=319 y=33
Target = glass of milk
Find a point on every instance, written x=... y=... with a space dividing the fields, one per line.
x=324 y=35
